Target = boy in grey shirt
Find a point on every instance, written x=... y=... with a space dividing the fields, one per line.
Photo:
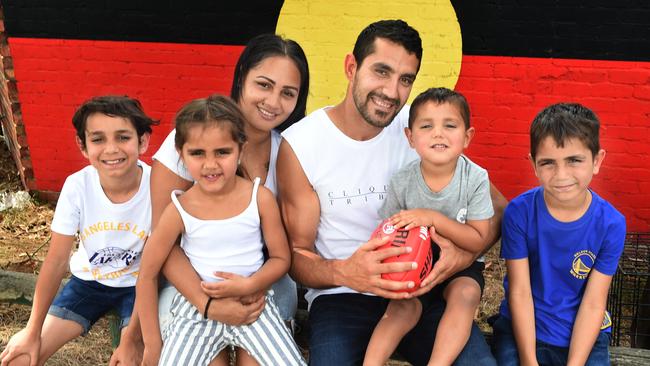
x=446 y=191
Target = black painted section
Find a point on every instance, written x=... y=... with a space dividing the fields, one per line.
x=575 y=29
x=579 y=29
x=177 y=21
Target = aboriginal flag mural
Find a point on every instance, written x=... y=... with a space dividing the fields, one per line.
x=510 y=58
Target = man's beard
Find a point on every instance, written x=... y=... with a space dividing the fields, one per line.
x=382 y=119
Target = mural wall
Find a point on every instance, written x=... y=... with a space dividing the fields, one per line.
x=509 y=59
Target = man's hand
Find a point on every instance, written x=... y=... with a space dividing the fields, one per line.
x=26 y=343
x=362 y=271
x=452 y=259
x=412 y=218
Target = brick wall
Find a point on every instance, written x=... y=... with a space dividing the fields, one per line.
x=506 y=78
x=55 y=76
x=505 y=94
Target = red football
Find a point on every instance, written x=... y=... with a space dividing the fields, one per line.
x=416 y=238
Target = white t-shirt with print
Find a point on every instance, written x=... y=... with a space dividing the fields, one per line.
x=350 y=178
x=111 y=235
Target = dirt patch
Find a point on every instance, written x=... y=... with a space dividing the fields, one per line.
x=24 y=239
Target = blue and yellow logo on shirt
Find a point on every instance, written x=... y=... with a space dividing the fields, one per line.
x=582 y=263
x=607 y=322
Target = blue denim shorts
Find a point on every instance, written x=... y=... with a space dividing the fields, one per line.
x=86 y=301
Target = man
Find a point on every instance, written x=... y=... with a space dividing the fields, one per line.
x=333 y=170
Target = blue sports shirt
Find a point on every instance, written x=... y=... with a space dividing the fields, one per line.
x=560 y=256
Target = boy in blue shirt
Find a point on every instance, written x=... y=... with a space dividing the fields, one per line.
x=561 y=242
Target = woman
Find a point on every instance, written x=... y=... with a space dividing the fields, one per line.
x=270 y=85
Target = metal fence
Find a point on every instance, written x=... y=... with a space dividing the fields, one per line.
x=629 y=296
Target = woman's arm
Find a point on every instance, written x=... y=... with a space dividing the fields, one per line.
x=230 y=310
x=590 y=317
x=522 y=309
x=55 y=266
x=163 y=182
x=153 y=257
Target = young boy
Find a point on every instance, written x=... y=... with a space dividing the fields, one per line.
x=561 y=242
x=448 y=192
x=107 y=205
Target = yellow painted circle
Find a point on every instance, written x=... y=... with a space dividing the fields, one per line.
x=327 y=30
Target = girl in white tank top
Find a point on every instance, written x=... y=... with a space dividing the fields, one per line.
x=225 y=221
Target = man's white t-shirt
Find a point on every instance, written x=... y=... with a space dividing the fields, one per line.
x=111 y=235
x=350 y=178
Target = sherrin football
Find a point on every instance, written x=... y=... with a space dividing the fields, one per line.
x=418 y=239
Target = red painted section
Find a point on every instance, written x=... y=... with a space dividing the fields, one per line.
x=55 y=76
x=505 y=94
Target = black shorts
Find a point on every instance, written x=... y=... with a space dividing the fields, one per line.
x=474 y=271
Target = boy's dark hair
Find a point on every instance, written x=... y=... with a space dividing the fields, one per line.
x=564 y=121
x=396 y=31
x=112 y=106
x=268 y=45
x=440 y=96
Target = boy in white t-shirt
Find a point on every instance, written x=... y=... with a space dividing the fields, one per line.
x=107 y=205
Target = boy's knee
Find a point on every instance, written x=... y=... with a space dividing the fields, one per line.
x=22 y=360
x=405 y=309
x=465 y=292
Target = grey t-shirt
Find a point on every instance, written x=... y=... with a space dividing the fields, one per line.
x=466 y=197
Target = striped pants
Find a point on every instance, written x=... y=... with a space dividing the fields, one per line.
x=191 y=340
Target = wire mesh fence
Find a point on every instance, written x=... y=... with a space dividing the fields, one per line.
x=629 y=297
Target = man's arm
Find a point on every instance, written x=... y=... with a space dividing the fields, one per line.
x=590 y=317
x=301 y=214
x=499 y=203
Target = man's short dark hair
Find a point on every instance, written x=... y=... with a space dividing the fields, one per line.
x=113 y=106
x=396 y=31
x=564 y=121
x=440 y=96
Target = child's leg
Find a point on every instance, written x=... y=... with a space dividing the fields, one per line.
x=75 y=308
x=222 y=359
x=244 y=359
x=268 y=340
x=56 y=333
x=189 y=339
x=400 y=317
x=462 y=295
